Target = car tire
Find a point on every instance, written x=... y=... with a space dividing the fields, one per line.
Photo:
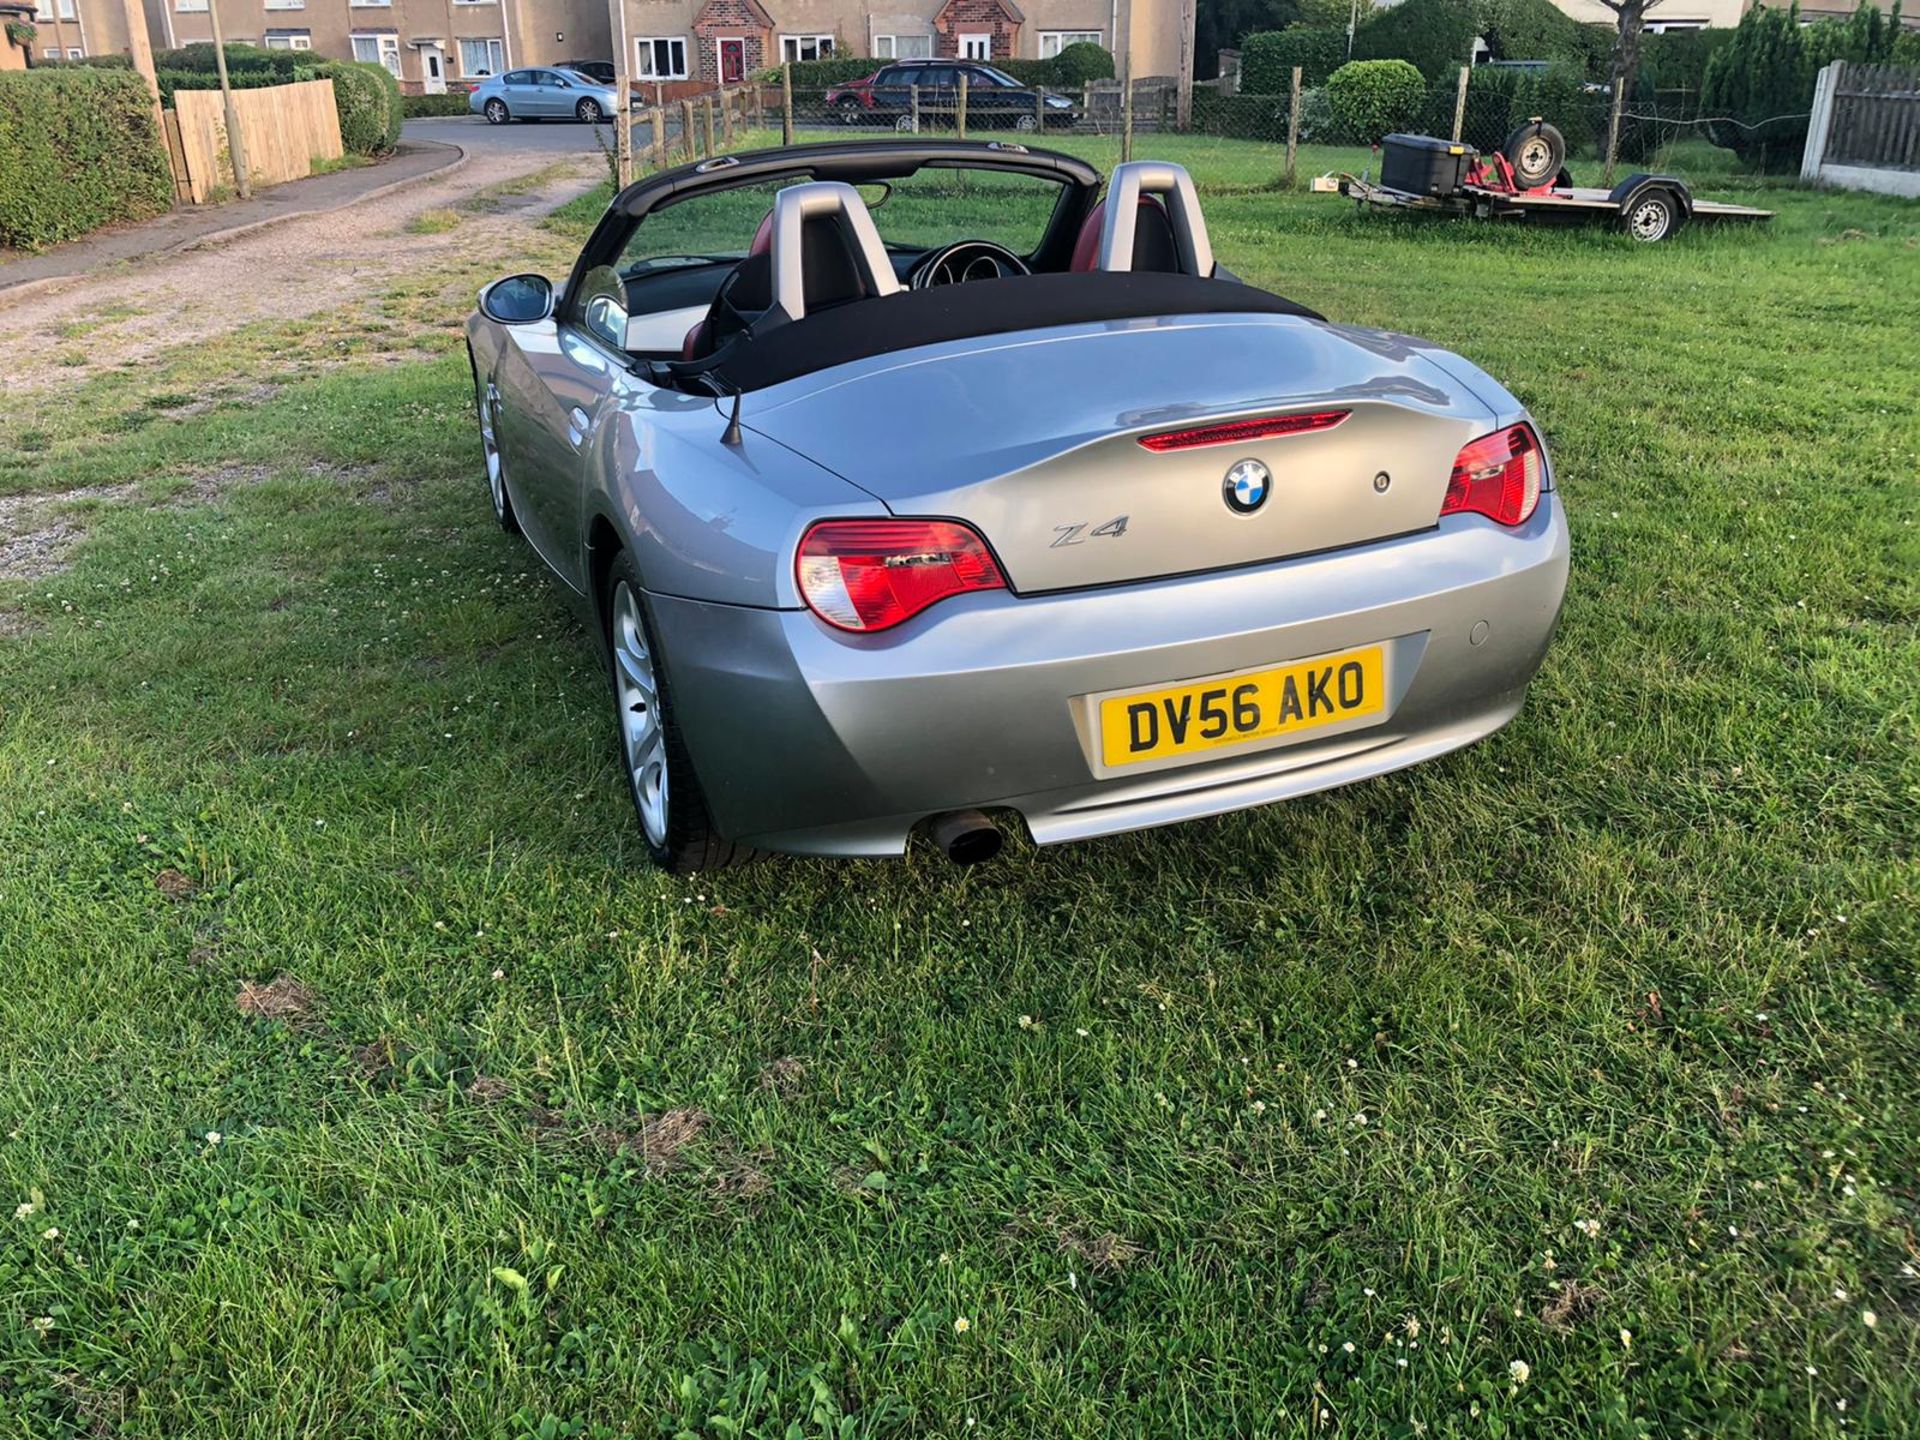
x=667 y=800
x=851 y=112
x=1026 y=124
x=1653 y=215
x=496 y=112
x=486 y=404
x=1536 y=151
x=904 y=124
x=589 y=112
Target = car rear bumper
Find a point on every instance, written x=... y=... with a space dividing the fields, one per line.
x=818 y=742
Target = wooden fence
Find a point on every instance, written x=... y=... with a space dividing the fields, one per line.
x=1865 y=129
x=284 y=129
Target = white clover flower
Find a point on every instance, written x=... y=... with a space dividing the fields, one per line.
x=1348 y=1347
x=1626 y=1338
x=24 y=1209
x=1520 y=1371
x=1869 y=1319
x=214 y=1137
x=52 y=1232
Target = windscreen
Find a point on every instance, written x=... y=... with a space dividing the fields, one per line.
x=934 y=206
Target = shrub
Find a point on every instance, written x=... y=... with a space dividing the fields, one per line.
x=368 y=99
x=1436 y=36
x=823 y=74
x=172 y=80
x=1371 y=98
x=1267 y=59
x=1537 y=30
x=418 y=107
x=1762 y=79
x=1678 y=59
x=199 y=60
x=1501 y=97
x=81 y=151
x=88 y=62
x=1079 y=63
x=1906 y=48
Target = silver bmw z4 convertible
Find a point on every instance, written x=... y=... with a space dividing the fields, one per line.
x=905 y=482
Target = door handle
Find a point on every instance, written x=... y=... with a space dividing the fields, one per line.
x=578 y=426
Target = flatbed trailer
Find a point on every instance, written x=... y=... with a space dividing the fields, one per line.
x=1525 y=179
x=1648 y=207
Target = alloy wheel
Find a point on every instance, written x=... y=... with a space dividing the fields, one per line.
x=496 y=112
x=488 y=405
x=636 y=688
x=589 y=112
x=1025 y=122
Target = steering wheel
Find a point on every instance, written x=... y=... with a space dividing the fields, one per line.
x=964 y=261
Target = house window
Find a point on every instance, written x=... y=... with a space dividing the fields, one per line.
x=378 y=50
x=190 y=7
x=805 y=47
x=1052 y=42
x=903 y=47
x=361 y=4
x=286 y=4
x=482 y=57
x=976 y=47
x=289 y=40
x=53 y=52
x=662 y=57
x=76 y=53
x=66 y=9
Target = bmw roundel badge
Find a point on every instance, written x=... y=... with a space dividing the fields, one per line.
x=1246 y=486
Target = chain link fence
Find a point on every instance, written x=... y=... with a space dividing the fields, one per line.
x=1238 y=140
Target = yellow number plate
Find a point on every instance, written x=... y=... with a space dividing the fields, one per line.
x=1258 y=705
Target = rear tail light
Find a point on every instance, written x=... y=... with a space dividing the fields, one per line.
x=1497 y=476
x=871 y=574
x=1238 y=432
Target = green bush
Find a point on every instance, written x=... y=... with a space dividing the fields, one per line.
x=172 y=80
x=1906 y=48
x=1537 y=30
x=1371 y=98
x=199 y=59
x=422 y=107
x=81 y=152
x=1436 y=36
x=1678 y=59
x=824 y=74
x=1500 y=98
x=1267 y=59
x=1762 y=79
x=368 y=100
x=1079 y=63
x=88 y=62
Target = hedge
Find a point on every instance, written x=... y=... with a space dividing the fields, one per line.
x=368 y=99
x=1434 y=36
x=1267 y=59
x=199 y=59
x=1372 y=98
x=1762 y=79
x=81 y=152
x=1501 y=98
x=421 y=107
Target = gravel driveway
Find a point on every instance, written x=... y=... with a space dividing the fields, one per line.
x=344 y=265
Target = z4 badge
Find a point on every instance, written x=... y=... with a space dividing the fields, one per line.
x=1080 y=534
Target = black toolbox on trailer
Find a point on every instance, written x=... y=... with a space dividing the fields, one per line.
x=1422 y=165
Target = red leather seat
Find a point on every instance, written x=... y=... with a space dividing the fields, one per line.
x=1154 y=247
x=691 y=347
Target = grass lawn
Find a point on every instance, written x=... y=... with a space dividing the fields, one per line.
x=357 y=1078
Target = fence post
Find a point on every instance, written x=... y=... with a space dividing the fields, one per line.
x=786 y=103
x=1039 y=109
x=1126 y=114
x=1613 y=130
x=1460 y=106
x=1183 y=104
x=960 y=111
x=689 y=130
x=913 y=107
x=1820 y=123
x=726 y=118
x=657 y=137
x=1293 y=125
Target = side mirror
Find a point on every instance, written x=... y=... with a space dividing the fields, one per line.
x=518 y=299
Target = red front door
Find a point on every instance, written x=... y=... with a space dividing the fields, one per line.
x=733 y=61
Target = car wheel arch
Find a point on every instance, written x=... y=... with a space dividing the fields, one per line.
x=604 y=547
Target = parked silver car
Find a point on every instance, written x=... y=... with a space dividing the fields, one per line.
x=906 y=482
x=543 y=93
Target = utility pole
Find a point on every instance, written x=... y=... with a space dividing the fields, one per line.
x=623 y=120
x=236 y=148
